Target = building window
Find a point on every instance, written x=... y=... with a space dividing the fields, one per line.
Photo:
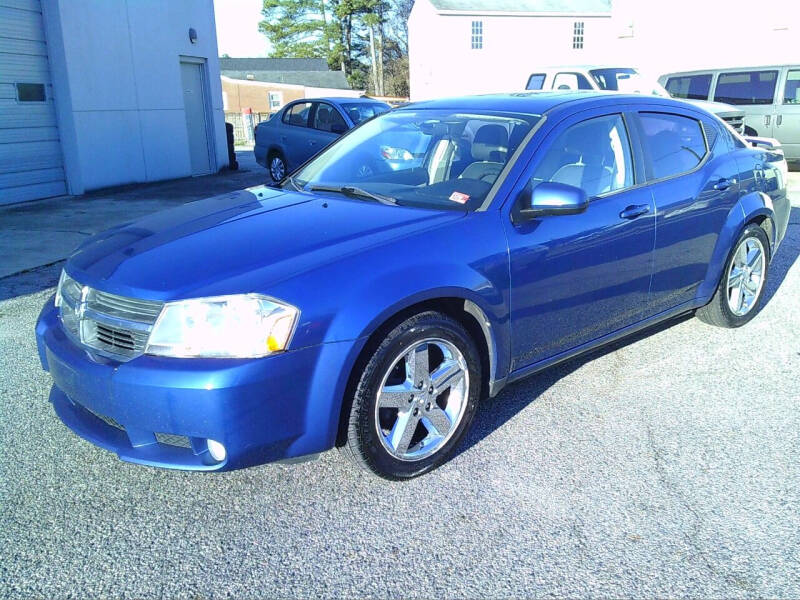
x=477 y=35
x=577 y=35
x=275 y=100
x=31 y=92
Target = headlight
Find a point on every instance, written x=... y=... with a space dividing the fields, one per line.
x=244 y=326
x=68 y=287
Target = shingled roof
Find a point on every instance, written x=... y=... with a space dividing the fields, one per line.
x=273 y=64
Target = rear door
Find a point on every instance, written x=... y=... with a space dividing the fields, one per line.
x=694 y=185
x=787 y=117
x=295 y=133
x=754 y=92
x=326 y=127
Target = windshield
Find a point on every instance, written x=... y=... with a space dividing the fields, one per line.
x=361 y=111
x=429 y=158
x=627 y=80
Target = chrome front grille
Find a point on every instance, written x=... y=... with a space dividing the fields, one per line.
x=143 y=311
x=737 y=123
x=112 y=324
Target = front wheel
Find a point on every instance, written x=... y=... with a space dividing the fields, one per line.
x=415 y=398
x=741 y=288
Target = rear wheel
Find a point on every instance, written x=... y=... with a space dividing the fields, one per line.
x=277 y=166
x=741 y=288
x=415 y=399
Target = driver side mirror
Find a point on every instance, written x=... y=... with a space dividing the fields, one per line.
x=551 y=198
x=338 y=128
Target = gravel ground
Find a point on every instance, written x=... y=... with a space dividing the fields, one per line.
x=665 y=466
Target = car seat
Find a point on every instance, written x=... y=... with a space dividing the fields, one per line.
x=489 y=150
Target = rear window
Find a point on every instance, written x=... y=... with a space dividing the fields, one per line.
x=535 y=81
x=749 y=87
x=692 y=87
x=674 y=144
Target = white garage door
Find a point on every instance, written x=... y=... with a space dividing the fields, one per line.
x=30 y=152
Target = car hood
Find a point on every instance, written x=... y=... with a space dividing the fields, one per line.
x=239 y=242
x=720 y=109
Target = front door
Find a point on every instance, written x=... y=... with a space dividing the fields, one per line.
x=754 y=93
x=576 y=278
x=194 y=104
x=787 y=118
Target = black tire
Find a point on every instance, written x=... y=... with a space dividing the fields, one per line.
x=363 y=445
x=718 y=312
x=276 y=155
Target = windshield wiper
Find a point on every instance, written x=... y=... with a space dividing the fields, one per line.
x=354 y=192
x=294 y=184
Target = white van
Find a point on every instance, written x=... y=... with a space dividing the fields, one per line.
x=768 y=95
x=622 y=79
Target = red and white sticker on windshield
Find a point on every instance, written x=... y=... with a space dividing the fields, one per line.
x=459 y=197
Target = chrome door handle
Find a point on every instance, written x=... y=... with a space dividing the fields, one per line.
x=779 y=120
x=767 y=119
x=634 y=210
x=722 y=185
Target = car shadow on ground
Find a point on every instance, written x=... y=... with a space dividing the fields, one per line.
x=494 y=412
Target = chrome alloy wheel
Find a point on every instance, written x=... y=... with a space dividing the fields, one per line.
x=422 y=399
x=277 y=168
x=746 y=276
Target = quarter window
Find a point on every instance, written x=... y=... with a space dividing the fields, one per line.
x=791 y=93
x=750 y=87
x=297 y=114
x=535 y=82
x=692 y=87
x=674 y=144
x=577 y=35
x=593 y=155
x=477 y=35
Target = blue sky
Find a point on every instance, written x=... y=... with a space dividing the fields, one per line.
x=237 y=28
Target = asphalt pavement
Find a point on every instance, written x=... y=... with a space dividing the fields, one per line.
x=668 y=465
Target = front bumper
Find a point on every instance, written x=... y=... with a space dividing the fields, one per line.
x=161 y=411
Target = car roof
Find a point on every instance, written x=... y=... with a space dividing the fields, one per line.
x=537 y=103
x=588 y=67
x=340 y=99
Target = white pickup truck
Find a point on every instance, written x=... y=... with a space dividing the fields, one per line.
x=622 y=79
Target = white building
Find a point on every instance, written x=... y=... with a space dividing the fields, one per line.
x=476 y=46
x=96 y=93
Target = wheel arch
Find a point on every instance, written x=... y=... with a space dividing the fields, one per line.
x=464 y=310
x=753 y=208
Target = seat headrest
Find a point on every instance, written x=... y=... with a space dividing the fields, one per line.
x=490 y=143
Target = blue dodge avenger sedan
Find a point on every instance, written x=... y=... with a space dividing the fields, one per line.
x=372 y=309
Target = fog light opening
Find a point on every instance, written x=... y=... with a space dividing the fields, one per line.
x=216 y=450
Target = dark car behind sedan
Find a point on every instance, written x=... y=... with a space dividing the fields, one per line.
x=304 y=127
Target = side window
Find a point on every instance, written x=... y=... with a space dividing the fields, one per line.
x=571 y=81
x=750 y=87
x=594 y=155
x=297 y=114
x=327 y=118
x=791 y=93
x=692 y=87
x=675 y=144
x=535 y=82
